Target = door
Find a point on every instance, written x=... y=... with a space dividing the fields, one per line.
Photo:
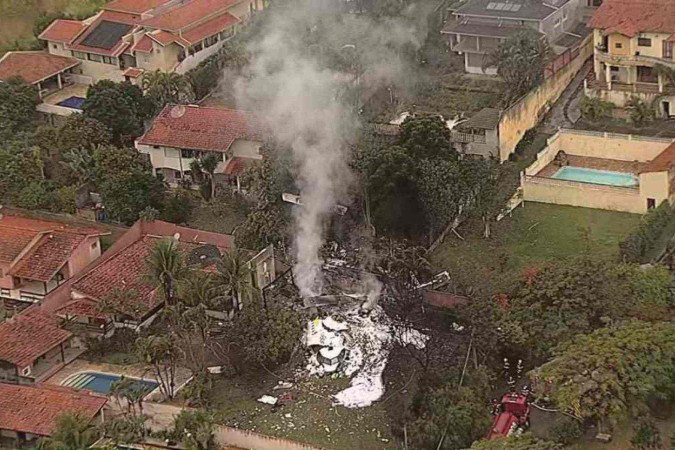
x=667 y=50
x=666 y=109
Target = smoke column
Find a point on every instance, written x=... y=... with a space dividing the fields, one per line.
x=296 y=94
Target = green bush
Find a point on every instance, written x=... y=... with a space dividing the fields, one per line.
x=594 y=109
x=566 y=430
x=647 y=436
x=637 y=243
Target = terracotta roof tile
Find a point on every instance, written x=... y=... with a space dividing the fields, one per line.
x=133 y=72
x=236 y=165
x=209 y=28
x=62 y=30
x=187 y=14
x=82 y=307
x=133 y=6
x=34 y=409
x=144 y=44
x=664 y=161
x=201 y=128
x=51 y=252
x=28 y=336
x=34 y=66
x=164 y=37
x=631 y=17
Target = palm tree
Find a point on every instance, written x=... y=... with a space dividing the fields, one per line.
x=162 y=354
x=198 y=288
x=166 y=87
x=209 y=164
x=72 y=432
x=235 y=276
x=166 y=265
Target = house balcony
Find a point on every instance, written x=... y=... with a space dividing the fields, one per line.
x=634 y=88
x=467 y=138
x=631 y=60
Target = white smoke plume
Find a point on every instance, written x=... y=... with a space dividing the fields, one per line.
x=296 y=92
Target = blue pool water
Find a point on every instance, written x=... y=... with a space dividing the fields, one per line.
x=72 y=102
x=595 y=176
x=102 y=382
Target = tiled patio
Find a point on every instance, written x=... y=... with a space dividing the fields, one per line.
x=594 y=163
x=73 y=90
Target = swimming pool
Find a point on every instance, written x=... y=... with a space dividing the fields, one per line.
x=72 y=102
x=595 y=176
x=102 y=382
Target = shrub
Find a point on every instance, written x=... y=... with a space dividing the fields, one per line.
x=566 y=430
x=637 y=243
x=178 y=207
x=594 y=109
x=647 y=436
x=640 y=111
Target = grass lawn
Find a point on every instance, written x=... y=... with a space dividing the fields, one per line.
x=536 y=233
x=310 y=417
x=220 y=216
x=17 y=17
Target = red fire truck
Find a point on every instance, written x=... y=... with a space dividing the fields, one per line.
x=511 y=415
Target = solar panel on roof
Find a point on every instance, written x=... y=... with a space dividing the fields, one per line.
x=500 y=6
x=106 y=34
x=491 y=5
x=516 y=7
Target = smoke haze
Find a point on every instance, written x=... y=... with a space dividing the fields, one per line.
x=303 y=59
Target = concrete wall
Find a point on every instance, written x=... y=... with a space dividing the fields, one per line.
x=562 y=20
x=562 y=192
x=162 y=58
x=249 y=439
x=246 y=149
x=85 y=253
x=622 y=147
x=526 y=113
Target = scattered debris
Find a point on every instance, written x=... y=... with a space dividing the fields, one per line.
x=268 y=400
x=283 y=385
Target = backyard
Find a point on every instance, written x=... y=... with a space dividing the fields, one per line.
x=536 y=233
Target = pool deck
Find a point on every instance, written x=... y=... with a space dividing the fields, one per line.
x=134 y=371
x=73 y=90
x=586 y=162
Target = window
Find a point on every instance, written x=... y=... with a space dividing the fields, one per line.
x=79 y=55
x=644 y=42
x=25 y=371
x=110 y=60
x=618 y=45
x=209 y=41
x=94 y=245
x=187 y=153
x=155 y=146
x=177 y=174
x=668 y=50
x=94 y=57
x=651 y=203
x=54 y=46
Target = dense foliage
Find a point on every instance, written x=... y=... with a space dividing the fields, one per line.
x=634 y=247
x=608 y=372
x=516 y=442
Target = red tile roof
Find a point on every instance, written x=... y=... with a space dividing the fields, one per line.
x=83 y=308
x=51 y=252
x=133 y=72
x=34 y=409
x=164 y=37
x=236 y=165
x=133 y=6
x=144 y=44
x=34 y=66
x=187 y=14
x=201 y=128
x=17 y=232
x=107 y=16
x=210 y=27
x=664 y=161
x=630 y=17
x=126 y=269
x=62 y=30
x=28 y=336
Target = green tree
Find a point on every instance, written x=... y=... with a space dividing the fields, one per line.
x=120 y=107
x=427 y=137
x=195 y=429
x=178 y=206
x=520 y=60
x=17 y=107
x=610 y=371
x=19 y=170
x=267 y=335
x=235 y=276
x=81 y=162
x=162 y=88
x=566 y=430
x=124 y=429
x=517 y=442
x=166 y=266
x=566 y=298
x=443 y=192
x=451 y=416
x=486 y=194
x=72 y=432
x=81 y=131
x=126 y=183
x=265 y=225
x=198 y=288
x=162 y=354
